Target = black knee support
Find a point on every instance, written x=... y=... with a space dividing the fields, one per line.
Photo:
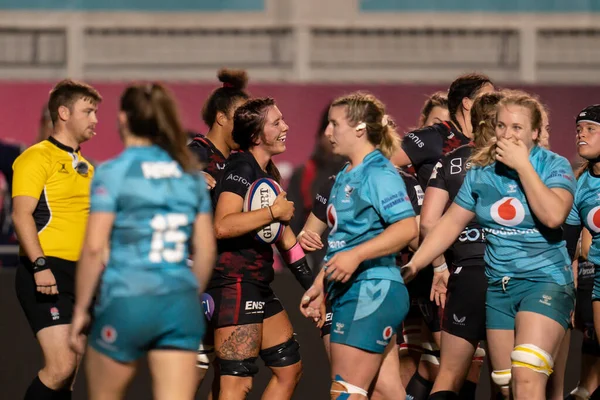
x=241 y=368
x=419 y=387
x=282 y=355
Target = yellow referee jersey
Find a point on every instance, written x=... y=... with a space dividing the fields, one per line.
x=60 y=178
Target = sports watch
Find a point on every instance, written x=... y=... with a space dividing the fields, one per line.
x=39 y=264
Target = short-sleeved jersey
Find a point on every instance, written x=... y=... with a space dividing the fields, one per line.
x=59 y=177
x=449 y=174
x=413 y=189
x=364 y=201
x=211 y=157
x=518 y=245
x=586 y=211
x=155 y=204
x=242 y=258
x=427 y=145
x=319 y=207
x=208 y=155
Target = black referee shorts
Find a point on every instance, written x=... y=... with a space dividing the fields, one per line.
x=42 y=310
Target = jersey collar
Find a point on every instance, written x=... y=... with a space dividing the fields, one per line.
x=591 y=173
x=61 y=146
x=213 y=147
x=454 y=130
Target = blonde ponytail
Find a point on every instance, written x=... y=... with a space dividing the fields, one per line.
x=390 y=140
x=367 y=110
x=483 y=118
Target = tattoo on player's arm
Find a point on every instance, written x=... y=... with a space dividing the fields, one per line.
x=244 y=342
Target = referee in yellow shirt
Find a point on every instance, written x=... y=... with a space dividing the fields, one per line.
x=51 y=188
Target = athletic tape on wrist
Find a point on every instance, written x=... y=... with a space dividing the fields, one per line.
x=440 y=268
x=294 y=254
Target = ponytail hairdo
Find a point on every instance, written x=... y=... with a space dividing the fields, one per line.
x=485 y=152
x=464 y=86
x=223 y=98
x=152 y=113
x=365 y=111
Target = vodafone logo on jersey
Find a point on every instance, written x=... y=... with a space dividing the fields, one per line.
x=593 y=219
x=331 y=218
x=508 y=211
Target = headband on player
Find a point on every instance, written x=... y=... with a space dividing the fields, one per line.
x=589 y=114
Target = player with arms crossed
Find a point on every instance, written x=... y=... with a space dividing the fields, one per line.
x=372 y=219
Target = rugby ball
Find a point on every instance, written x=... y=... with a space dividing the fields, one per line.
x=261 y=194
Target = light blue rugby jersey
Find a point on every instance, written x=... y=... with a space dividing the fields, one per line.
x=518 y=245
x=155 y=204
x=586 y=211
x=363 y=202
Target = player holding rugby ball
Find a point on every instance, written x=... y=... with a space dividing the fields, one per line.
x=248 y=320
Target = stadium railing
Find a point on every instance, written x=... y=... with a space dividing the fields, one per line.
x=301 y=41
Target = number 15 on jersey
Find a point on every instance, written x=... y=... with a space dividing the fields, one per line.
x=169 y=241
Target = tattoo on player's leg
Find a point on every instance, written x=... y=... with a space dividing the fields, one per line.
x=244 y=342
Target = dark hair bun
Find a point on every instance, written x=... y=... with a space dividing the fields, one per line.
x=234 y=78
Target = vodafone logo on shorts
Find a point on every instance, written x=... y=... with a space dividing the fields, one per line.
x=108 y=334
x=593 y=219
x=387 y=333
x=331 y=218
x=508 y=211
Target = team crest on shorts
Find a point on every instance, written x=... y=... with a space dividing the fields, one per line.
x=388 y=332
x=55 y=314
x=508 y=211
x=108 y=334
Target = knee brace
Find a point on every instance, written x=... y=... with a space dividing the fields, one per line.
x=431 y=353
x=282 y=355
x=206 y=355
x=501 y=378
x=242 y=368
x=343 y=389
x=532 y=357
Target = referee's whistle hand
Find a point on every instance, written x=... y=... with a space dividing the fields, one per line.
x=45 y=282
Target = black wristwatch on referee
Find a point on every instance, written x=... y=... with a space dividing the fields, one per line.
x=39 y=264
